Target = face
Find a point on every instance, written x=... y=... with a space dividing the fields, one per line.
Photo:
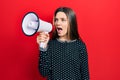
x=61 y=23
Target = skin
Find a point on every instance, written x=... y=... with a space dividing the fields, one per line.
x=62 y=24
x=61 y=21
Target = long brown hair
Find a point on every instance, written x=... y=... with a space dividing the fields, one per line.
x=73 y=30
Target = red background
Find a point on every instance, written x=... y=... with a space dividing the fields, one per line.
x=99 y=27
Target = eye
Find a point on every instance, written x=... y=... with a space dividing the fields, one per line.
x=63 y=19
x=55 y=19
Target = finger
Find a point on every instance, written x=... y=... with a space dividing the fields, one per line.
x=44 y=35
x=42 y=39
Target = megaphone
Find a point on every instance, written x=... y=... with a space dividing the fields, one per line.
x=32 y=24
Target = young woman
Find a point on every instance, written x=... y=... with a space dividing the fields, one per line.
x=64 y=57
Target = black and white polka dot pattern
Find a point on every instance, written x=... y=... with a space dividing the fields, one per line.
x=64 y=61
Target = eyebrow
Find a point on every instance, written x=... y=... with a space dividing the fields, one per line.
x=61 y=18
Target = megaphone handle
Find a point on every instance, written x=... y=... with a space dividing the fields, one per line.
x=43 y=44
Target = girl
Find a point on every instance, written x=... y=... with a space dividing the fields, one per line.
x=64 y=57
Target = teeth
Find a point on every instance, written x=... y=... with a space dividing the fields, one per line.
x=59 y=28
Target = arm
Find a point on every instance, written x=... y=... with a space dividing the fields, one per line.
x=44 y=62
x=44 y=56
x=84 y=64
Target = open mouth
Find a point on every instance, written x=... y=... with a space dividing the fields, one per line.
x=59 y=30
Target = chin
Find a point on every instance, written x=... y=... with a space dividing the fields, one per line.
x=61 y=35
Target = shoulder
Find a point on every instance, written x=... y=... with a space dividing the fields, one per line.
x=81 y=45
x=52 y=42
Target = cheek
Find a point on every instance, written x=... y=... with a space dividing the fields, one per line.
x=65 y=29
x=65 y=26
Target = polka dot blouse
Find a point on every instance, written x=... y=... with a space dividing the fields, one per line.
x=64 y=61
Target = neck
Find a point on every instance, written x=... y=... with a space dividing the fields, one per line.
x=63 y=39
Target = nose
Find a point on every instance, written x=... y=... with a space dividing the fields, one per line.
x=58 y=22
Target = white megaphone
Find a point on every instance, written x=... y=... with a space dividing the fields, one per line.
x=32 y=24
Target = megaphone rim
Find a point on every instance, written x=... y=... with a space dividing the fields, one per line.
x=37 y=19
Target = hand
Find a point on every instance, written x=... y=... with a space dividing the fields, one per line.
x=43 y=38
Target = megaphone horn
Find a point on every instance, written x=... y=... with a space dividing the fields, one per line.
x=32 y=24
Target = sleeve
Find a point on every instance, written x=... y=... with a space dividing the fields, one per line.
x=84 y=63
x=45 y=62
